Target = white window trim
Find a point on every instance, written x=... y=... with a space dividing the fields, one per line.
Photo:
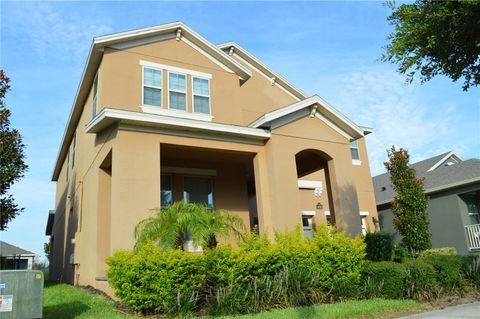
x=308 y=213
x=174 y=69
x=176 y=113
x=327 y=213
x=152 y=86
x=356 y=162
x=201 y=95
x=177 y=91
x=364 y=213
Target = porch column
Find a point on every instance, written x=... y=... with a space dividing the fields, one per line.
x=262 y=189
x=135 y=185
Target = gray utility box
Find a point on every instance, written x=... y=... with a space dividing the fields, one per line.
x=21 y=294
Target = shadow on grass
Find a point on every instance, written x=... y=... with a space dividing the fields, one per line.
x=67 y=310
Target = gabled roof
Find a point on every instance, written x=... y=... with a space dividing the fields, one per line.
x=233 y=48
x=7 y=249
x=175 y=29
x=312 y=106
x=441 y=178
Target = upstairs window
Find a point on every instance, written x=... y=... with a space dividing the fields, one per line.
x=152 y=87
x=354 y=150
x=95 y=89
x=201 y=95
x=177 y=91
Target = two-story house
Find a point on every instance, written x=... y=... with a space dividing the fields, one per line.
x=162 y=115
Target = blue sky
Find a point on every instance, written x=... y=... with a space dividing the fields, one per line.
x=326 y=48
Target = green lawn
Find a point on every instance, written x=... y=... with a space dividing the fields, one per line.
x=66 y=302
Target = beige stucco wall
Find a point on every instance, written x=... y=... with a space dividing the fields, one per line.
x=99 y=211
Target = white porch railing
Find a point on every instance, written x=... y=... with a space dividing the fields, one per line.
x=473 y=235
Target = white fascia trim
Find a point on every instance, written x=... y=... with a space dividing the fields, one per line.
x=443 y=160
x=285 y=89
x=308 y=212
x=304 y=184
x=155 y=65
x=110 y=115
x=366 y=130
x=186 y=32
x=327 y=213
x=266 y=70
x=364 y=213
x=176 y=113
x=330 y=117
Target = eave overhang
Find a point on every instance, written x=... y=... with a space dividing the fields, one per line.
x=233 y=48
x=109 y=116
x=177 y=29
x=314 y=106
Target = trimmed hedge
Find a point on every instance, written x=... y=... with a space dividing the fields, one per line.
x=384 y=279
x=379 y=246
x=420 y=281
x=449 y=270
x=178 y=282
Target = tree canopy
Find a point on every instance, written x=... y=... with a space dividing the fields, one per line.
x=436 y=37
x=12 y=164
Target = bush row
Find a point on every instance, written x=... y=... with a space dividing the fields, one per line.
x=424 y=278
x=256 y=276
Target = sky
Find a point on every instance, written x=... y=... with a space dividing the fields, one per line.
x=332 y=49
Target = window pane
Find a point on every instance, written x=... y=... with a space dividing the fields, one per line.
x=166 y=191
x=354 y=144
x=178 y=101
x=200 y=86
x=198 y=190
x=200 y=104
x=354 y=153
x=176 y=82
x=152 y=96
x=152 y=77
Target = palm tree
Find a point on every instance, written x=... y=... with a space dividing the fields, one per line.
x=169 y=226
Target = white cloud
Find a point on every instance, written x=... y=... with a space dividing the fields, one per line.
x=48 y=29
x=399 y=114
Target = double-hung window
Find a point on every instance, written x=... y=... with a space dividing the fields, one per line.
x=177 y=91
x=152 y=87
x=354 y=150
x=201 y=95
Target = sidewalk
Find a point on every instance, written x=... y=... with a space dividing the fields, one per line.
x=467 y=311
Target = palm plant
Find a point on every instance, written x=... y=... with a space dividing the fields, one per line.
x=169 y=226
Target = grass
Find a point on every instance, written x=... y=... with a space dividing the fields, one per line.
x=63 y=301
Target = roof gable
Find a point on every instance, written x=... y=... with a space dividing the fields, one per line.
x=313 y=106
x=233 y=49
x=7 y=249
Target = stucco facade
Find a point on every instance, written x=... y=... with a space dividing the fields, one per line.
x=255 y=150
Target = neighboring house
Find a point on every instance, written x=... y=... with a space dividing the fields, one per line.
x=13 y=257
x=453 y=188
x=162 y=115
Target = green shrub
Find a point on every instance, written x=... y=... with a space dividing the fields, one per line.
x=379 y=246
x=156 y=280
x=400 y=254
x=384 y=279
x=420 y=281
x=448 y=270
x=292 y=270
x=472 y=271
x=448 y=251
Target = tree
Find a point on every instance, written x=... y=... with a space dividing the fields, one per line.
x=436 y=37
x=169 y=227
x=410 y=203
x=12 y=165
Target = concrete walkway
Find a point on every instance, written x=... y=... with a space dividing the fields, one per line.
x=467 y=311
